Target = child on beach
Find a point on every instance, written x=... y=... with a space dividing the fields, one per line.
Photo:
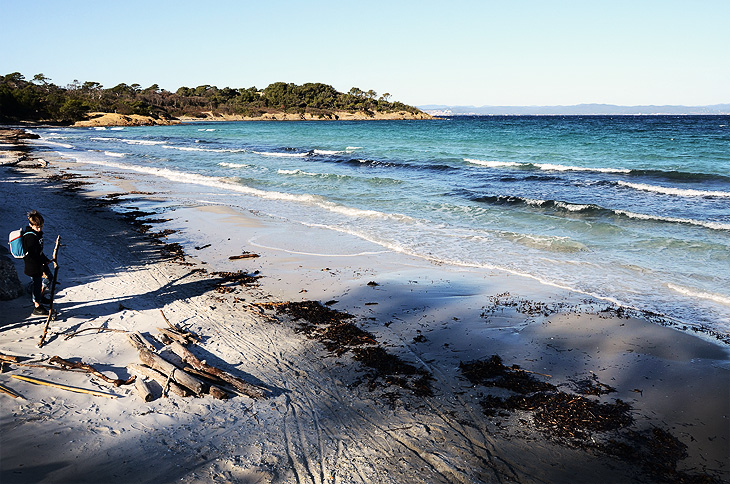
x=36 y=262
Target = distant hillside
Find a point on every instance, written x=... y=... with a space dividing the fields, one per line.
x=579 y=109
x=40 y=100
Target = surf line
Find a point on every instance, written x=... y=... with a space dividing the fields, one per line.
x=253 y=242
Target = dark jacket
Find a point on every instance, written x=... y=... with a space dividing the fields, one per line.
x=35 y=260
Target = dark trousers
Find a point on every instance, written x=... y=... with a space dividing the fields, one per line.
x=38 y=284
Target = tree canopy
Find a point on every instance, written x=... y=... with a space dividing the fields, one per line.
x=41 y=100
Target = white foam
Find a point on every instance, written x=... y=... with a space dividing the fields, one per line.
x=55 y=143
x=115 y=155
x=234 y=165
x=282 y=155
x=328 y=152
x=701 y=223
x=492 y=164
x=682 y=192
x=553 y=167
x=353 y=148
x=209 y=150
x=118 y=128
x=544 y=166
x=718 y=298
x=297 y=172
x=227 y=184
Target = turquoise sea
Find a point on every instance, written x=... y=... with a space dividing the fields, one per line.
x=633 y=209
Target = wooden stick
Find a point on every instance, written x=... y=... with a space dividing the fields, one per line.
x=246 y=255
x=68 y=336
x=53 y=290
x=8 y=391
x=176 y=329
x=247 y=388
x=12 y=359
x=63 y=387
x=141 y=370
x=173 y=335
x=88 y=369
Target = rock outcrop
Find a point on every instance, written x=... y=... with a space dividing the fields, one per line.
x=10 y=285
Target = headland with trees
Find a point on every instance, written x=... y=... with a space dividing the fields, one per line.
x=89 y=103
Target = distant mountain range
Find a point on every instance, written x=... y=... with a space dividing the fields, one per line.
x=579 y=109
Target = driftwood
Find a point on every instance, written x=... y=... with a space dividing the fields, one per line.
x=63 y=387
x=168 y=335
x=245 y=387
x=10 y=392
x=70 y=365
x=53 y=292
x=11 y=359
x=140 y=342
x=68 y=336
x=245 y=255
x=143 y=390
x=216 y=392
x=141 y=370
x=187 y=335
x=160 y=364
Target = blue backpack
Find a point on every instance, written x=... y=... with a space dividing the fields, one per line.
x=15 y=240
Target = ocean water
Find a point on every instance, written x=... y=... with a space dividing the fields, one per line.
x=633 y=209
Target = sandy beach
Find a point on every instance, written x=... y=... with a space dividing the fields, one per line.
x=405 y=390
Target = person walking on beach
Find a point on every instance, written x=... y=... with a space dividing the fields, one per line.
x=36 y=262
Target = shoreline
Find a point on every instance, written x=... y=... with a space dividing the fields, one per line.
x=433 y=317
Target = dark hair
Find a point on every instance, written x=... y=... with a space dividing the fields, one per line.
x=35 y=218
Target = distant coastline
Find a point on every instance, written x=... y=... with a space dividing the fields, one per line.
x=578 y=109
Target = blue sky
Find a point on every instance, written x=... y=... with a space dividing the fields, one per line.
x=518 y=52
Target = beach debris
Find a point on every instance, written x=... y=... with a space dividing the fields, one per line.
x=244 y=255
x=51 y=312
x=9 y=358
x=373 y=284
x=202 y=247
x=243 y=386
x=228 y=280
x=340 y=336
x=68 y=336
x=578 y=421
x=164 y=381
x=176 y=333
x=176 y=374
x=63 y=387
x=143 y=390
x=185 y=380
x=70 y=365
x=10 y=392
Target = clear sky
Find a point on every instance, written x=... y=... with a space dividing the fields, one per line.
x=501 y=52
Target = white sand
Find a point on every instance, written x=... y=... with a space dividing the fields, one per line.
x=318 y=425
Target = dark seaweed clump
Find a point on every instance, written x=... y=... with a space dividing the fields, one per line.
x=582 y=422
x=226 y=282
x=339 y=335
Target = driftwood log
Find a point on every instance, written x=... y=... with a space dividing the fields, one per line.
x=245 y=387
x=70 y=365
x=143 y=390
x=160 y=364
x=141 y=370
x=11 y=359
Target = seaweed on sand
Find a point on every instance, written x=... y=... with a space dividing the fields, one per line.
x=576 y=420
x=339 y=336
x=227 y=281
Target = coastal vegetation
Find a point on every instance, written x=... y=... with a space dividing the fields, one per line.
x=39 y=99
